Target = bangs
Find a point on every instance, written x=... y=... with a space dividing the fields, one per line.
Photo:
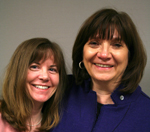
x=42 y=52
x=105 y=28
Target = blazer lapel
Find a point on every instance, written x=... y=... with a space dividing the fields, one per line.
x=110 y=117
x=88 y=111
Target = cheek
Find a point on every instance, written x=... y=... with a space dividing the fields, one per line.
x=88 y=54
x=122 y=58
x=85 y=53
x=55 y=80
x=29 y=77
x=86 y=60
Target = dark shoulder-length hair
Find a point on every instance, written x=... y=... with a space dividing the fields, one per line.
x=104 y=22
x=17 y=103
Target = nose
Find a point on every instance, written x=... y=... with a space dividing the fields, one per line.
x=104 y=51
x=44 y=75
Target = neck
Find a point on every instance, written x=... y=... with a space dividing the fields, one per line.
x=35 y=120
x=36 y=116
x=104 y=99
x=104 y=91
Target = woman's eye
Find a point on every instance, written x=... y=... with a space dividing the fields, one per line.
x=33 y=67
x=53 y=70
x=93 y=43
x=117 y=45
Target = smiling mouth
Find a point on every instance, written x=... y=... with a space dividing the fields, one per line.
x=105 y=66
x=41 y=87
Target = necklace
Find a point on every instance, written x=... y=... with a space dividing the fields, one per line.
x=35 y=124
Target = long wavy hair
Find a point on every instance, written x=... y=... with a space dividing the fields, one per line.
x=17 y=104
x=104 y=22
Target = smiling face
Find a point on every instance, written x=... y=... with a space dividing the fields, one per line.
x=105 y=60
x=42 y=79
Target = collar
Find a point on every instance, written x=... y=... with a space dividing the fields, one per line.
x=117 y=96
x=121 y=98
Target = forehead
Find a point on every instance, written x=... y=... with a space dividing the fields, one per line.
x=41 y=55
x=108 y=36
x=47 y=56
x=116 y=34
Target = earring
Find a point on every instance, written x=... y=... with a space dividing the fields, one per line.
x=80 y=63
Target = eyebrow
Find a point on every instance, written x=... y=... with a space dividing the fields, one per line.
x=53 y=65
x=113 y=39
x=35 y=63
x=40 y=64
x=116 y=39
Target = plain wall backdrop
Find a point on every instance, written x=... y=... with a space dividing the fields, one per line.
x=59 y=21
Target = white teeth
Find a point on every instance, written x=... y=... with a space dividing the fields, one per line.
x=103 y=65
x=41 y=87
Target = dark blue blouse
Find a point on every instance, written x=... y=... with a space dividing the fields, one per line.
x=130 y=113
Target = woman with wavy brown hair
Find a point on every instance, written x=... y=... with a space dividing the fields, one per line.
x=33 y=87
x=108 y=64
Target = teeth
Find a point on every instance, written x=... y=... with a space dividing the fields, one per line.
x=103 y=65
x=41 y=87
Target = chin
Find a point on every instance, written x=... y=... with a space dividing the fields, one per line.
x=41 y=100
x=103 y=78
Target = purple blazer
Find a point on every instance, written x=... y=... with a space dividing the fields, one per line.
x=130 y=113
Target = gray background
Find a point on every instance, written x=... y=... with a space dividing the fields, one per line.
x=59 y=21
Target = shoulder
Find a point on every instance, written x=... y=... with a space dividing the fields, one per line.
x=138 y=97
x=71 y=86
x=4 y=126
x=2 y=123
x=1 y=118
x=140 y=110
x=144 y=100
x=144 y=95
x=0 y=104
x=77 y=89
x=77 y=92
x=141 y=106
x=141 y=99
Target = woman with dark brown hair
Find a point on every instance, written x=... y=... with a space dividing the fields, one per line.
x=108 y=64
x=33 y=87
